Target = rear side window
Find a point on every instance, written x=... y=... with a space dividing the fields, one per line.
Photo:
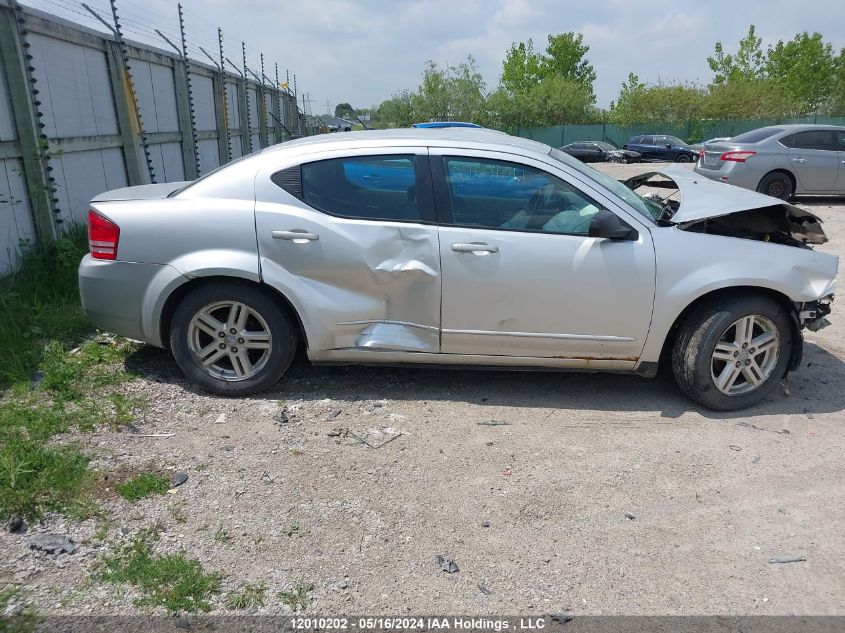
x=647 y=140
x=363 y=187
x=755 y=136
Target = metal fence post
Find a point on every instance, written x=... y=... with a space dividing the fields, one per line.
x=125 y=110
x=24 y=111
x=186 y=120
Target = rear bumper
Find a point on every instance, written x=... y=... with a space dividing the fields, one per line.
x=125 y=297
x=732 y=173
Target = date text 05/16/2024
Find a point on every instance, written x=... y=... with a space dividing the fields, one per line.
x=425 y=623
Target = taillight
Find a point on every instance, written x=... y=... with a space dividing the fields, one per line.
x=103 y=235
x=701 y=154
x=737 y=156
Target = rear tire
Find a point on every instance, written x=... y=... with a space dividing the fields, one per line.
x=736 y=375
x=231 y=339
x=776 y=184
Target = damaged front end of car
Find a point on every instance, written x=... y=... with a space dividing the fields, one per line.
x=719 y=209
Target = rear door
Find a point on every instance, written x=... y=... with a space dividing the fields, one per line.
x=647 y=149
x=521 y=277
x=350 y=238
x=814 y=159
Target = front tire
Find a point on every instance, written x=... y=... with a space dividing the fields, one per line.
x=683 y=158
x=231 y=339
x=731 y=354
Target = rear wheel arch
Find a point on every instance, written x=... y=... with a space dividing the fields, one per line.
x=183 y=290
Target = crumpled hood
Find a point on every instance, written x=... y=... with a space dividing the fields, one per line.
x=702 y=198
x=140 y=192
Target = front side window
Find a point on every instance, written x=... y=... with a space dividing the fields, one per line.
x=363 y=187
x=494 y=194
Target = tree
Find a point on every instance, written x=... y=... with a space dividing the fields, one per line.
x=396 y=111
x=747 y=64
x=450 y=93
x=565 y=57
x=344 y=111
x=521 y=68
x=640 y=103
x=805 y=68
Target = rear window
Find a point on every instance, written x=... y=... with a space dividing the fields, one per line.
x=755 y=136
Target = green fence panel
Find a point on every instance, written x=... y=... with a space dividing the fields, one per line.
x=692 y=131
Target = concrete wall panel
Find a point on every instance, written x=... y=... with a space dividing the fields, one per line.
x=7 y=119
x=74 y=90
x=82 y=175
x=15 y=216
x=155 y=89
x=203 y=90
x=209 y=158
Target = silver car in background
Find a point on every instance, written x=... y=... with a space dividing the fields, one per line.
x=457 y=247
x=780 y=161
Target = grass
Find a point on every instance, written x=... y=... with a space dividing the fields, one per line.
x=221 y=535
x=297 y=599
x=42 y=296
x=23 y=622
x=48 y=389
x=142 y=486
x=172 y=581
x=247 y=597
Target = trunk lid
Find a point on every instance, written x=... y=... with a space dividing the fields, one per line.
x=140 y=192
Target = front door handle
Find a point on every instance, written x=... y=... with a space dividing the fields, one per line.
x=800 y=160
x=474 y=247
x=297 y=236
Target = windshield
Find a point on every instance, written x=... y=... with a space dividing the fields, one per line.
x=605 y=146
x=645 y=208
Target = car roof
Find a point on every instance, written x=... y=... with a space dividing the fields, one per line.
x=443 y=137
x=438 y=124
x=799 y=127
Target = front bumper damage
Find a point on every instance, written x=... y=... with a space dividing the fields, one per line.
x=813 y=314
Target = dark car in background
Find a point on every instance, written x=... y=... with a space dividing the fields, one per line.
x=661 y=147
x=599 y=152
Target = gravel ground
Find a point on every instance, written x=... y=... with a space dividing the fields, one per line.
x=601 y=494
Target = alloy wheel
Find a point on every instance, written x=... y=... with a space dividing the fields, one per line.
x=746 y=355
x=230 y=340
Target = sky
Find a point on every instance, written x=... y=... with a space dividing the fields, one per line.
x=362 y=51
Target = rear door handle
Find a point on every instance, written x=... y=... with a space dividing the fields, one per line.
x=474 y=247
x=297 y=236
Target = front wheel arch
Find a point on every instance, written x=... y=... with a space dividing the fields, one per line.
x=183 y=290
x=724 y=294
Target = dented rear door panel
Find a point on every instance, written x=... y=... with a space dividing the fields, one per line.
x=371 y=285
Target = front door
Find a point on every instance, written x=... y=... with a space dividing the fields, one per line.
x=521 y=277
x=351 y=241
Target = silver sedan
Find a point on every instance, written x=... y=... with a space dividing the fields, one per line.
x=780 y=160
x=457 y=247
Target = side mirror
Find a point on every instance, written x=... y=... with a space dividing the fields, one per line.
x=608 y=225
x=668 y=145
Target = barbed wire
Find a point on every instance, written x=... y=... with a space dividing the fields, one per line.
x=136 y=23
